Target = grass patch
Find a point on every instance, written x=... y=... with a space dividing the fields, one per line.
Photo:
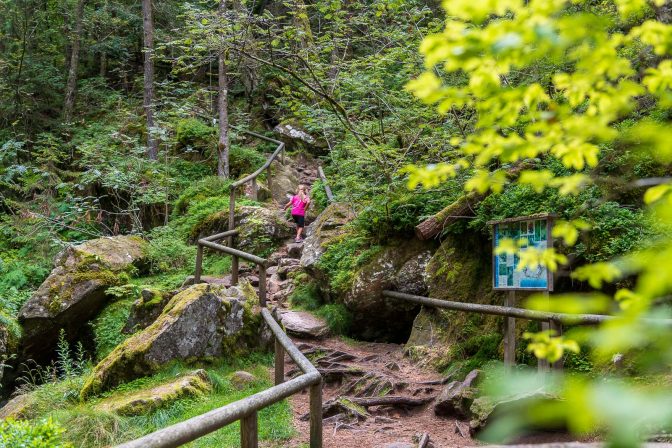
x=85 y=426
x=306 y=296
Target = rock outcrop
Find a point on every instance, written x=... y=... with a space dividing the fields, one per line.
x=201 y=322
x=329 y=225
x=460 y=271
x=457 y=397
x=74 y=292
x=146 y=309
x=241 y=379
x=486 y=410
x=148 y=400
x=259 y=227
x=400 y=266
x=303 y=324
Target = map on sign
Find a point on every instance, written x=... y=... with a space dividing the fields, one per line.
x=532 y=232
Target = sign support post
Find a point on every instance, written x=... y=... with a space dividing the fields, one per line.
x=510 y=333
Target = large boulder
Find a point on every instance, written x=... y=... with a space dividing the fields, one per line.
x=146 y=309
x=74 y=292
x=260 y=228
x=399 y=266
x=201 y=322
x=329 y=225
x=303 y=324
x=486 y=410
x=296 y=137
x=460 y=271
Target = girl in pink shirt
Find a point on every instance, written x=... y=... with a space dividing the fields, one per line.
x=299 y=203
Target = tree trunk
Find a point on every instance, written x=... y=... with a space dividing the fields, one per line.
x=462 y=207
x=71 y=86
x=148 y=97
x=103 y=64
x=223 y=108
x=434 y=225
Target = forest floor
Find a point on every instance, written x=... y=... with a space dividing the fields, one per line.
x=384 y=424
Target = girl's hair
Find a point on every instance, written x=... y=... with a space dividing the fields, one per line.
x=301 y=192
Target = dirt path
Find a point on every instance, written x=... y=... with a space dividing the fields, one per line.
x=384 y=364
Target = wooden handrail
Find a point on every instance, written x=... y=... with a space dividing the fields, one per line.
x=327 y=188
x=246 y=409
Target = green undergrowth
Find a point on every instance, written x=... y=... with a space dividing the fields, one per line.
x=84 y=425
x=44 y=434
x=306 y=296
x=343 y=255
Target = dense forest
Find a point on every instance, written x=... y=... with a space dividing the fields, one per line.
x=123 y=126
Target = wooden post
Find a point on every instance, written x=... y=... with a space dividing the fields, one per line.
x=282 y=155
x=199 y=264
x=232 y=226
x=557 y=327
x=542 y=364
x=248 y=431
x=269 y=175
x=510 y=333
x=254 y=189
x=316 y=415
x=262 y=286
x=279 y=363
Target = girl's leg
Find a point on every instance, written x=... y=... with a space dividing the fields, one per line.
x=299 y=233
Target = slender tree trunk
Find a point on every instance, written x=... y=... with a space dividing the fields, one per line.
x=223 y=108
x=71 y=86
x=148 y=97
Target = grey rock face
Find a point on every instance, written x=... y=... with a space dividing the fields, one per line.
x=147 y=309
x=457 y=397
x=303 y=324
x=201 y=322
x=74 y=292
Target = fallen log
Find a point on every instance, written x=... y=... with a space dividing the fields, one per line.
x=463 y=207
x=390 y=401
x=424 y=441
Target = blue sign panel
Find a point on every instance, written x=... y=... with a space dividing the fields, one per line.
x=533 y=233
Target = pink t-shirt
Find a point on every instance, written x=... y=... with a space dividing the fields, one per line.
x=298 y=206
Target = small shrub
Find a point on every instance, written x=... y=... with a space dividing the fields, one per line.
x=244 y=160
x=306 y=295
x=337 y=316
x=193 y=134
x=168 y=251
x=43 y=434
x=207 y=187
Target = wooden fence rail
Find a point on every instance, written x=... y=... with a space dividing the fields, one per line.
x=246 y=410
x=555 y=320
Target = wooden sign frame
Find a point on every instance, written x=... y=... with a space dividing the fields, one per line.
x=548 y=218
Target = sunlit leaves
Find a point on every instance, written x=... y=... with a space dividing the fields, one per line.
x=537 y=179
x=569 y=230
x=532 y=257
x=598 y=273
x=546 y=345
x=430 y=176
x=482 y=181
x=656 y=193
x=572 y=303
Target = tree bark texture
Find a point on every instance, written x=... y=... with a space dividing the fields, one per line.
x=223 y=109
x=71 y=86
x=148 y=97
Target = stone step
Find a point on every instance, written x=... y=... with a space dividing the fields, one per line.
x=303 y=324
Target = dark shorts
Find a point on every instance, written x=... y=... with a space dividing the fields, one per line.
x=299 y=220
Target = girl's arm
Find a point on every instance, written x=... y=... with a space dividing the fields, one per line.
x=288 y=204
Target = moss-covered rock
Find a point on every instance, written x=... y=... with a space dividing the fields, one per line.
x=459 y=271
x=145 y=401
x=374 y=315
x=74 y=292
x=201 y=322
x=330 y=224
x=260 y=228
x=17 y=408
x=146 y=309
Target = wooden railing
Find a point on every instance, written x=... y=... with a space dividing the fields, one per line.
x=252 y=178
x=246 y=410
x=555 y=320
